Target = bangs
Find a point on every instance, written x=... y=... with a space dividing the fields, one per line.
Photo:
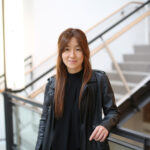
x=64 y=42
x=66 y=36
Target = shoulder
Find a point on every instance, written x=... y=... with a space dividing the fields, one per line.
x=51 y=82
x=99 y=73
x=51 y=79
x=49 y=90
x=101 y=76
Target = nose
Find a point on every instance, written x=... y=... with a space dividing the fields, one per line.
x=72 y=53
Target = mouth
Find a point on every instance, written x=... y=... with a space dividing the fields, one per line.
x=72 y=61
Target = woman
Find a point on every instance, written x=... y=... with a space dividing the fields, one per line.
x=74 y=99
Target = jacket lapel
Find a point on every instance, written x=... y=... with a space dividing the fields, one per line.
x=91 y=81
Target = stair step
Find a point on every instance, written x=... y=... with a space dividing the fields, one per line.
x=119 y=88
x=135 y=68
x=132 y=66
x=132 y=72
x=120 y=83
x=134 y=77
x=142 y=49
x=137 y=57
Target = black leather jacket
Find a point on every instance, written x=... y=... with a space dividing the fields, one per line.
x=97 y=95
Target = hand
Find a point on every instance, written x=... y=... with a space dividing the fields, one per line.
x=99 y=134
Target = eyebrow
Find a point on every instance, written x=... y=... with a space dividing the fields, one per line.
x=75 y=46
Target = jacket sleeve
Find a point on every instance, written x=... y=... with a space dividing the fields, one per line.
x=111 y=112
x=43 y=120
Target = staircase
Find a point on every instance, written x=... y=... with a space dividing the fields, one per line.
x=135 y=68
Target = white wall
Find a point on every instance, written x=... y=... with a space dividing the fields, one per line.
x=14 y=43
x=52 y=17
x=44 y=20
x=28 y=27
x=1 y=44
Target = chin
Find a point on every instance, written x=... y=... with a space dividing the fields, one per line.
x=72 y=66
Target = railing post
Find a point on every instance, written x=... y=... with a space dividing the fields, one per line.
x=117 y=67
x=147 y=144
x=8 y=122
x=31 y=76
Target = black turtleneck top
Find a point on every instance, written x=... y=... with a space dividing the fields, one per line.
x=67 y=128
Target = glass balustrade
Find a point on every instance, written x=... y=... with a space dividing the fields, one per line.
x=25 y=126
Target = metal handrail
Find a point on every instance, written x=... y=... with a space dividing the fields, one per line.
x=117 y=35
x=119 y=131
x=97 y=49
x=131 y=134
x=35 y=80
x=3 y=75
x=128 y=133
x=105 y=44
x=29 y=57
x=118 y=22
x=45 y=60
x=22 y=99
x=88 y=30
x=124 y=144
x=94 y=39
x=109 y=16
x=117 y=67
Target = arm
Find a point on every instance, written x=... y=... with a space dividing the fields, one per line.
x=110 y=109
x=43 y=120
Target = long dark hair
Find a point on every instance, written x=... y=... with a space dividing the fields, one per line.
x=61 y=69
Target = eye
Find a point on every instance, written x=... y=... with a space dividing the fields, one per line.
x=78 y=49
x=66 y=49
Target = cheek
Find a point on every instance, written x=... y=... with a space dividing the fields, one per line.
x=63 y=57
x=82 y=58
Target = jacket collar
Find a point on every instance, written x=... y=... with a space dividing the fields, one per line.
x=93 y=77
x=51 y=80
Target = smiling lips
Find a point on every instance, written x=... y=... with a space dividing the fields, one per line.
x=72 y=61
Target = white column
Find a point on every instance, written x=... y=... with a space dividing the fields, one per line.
x=1 y=42
x=14 y=43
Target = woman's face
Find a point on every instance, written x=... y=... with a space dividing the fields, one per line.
x=72 y=56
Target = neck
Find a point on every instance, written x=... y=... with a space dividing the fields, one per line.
x=72 y=71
